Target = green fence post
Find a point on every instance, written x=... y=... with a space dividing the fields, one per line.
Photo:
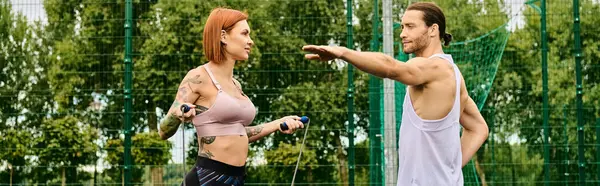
x=493 y=125
x=544 y=42
x=127 y=91
x=597 y=147
x=350 y=96
x=376 y=164
x=579 y=92
x=566 y=153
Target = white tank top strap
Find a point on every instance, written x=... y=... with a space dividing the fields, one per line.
x=447 y=57
x=458 y=83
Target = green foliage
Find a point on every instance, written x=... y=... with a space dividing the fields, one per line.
x=23 y=67
x=22 y=79
x=517 y=94
x=86 y=66
x=65 y=143
x=14 y=142
x=16 y=145
x=174 y=173
x=283 y=161
x=513 y=163
x=61 y=87
x=147 y=150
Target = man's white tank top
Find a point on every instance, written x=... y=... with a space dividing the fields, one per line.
x=429 y=150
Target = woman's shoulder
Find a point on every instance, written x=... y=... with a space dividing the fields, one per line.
x=196 y=76
x=197 y=71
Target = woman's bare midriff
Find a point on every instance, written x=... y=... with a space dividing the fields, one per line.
x=231 y=149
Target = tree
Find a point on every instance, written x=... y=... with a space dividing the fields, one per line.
x=325 y=104
x=15 y=148
x=65 y=143
x=283 y=160
x=87 y=44
x=22 y=92
x=147 y=150
x=518 y=88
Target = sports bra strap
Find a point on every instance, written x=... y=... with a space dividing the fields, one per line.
x=212 y=77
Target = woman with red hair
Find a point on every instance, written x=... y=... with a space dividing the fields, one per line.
x=220 y=111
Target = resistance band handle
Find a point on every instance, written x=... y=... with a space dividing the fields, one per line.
x=303 y=119
x=184 y=108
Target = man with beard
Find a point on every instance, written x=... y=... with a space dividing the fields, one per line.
x=431 y=149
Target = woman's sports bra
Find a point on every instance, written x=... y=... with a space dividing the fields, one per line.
x=227 y=116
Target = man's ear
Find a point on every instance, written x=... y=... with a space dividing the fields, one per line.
x=432 y=29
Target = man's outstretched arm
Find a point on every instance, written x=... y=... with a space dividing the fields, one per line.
x=416 y=71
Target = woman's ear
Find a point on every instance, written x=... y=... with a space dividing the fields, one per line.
x=223 y=37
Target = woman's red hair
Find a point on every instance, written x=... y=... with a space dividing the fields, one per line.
x=219 y=19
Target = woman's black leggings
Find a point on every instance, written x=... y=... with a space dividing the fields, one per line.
x=209 y=172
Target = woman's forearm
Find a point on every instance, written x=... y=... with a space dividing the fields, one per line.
x=259 y=131
x=169 y=126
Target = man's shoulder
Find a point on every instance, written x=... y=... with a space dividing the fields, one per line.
x=428 y=61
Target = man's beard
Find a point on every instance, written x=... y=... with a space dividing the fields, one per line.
x=417 y=44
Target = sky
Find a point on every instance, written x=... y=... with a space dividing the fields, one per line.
x=33 y=9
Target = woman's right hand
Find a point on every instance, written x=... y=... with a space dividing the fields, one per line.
x=187 y=116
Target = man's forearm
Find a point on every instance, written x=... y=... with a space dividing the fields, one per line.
x=470 y=142
x=169 y=126
x=375 y=63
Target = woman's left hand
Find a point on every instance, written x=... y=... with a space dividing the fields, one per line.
x=293 y=123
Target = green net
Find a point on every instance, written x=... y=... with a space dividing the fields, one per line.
x=478 y=61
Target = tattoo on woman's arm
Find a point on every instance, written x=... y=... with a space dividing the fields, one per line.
x=183 y=91
x=195 y=80
x=170 y=125
x=253 y=131
x=175 y=104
